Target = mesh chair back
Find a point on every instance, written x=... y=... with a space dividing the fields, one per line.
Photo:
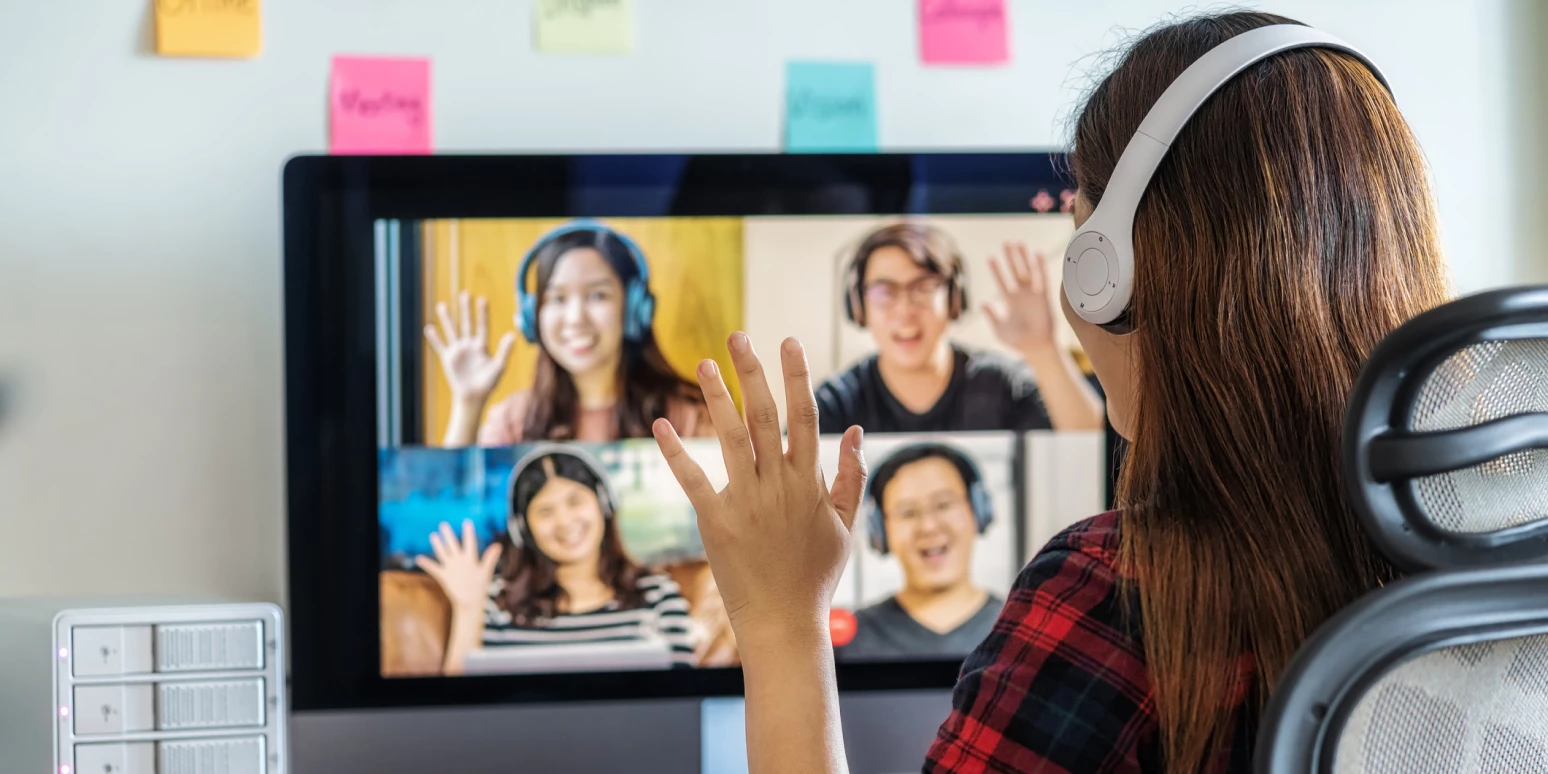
x=1479 y=707
x=1447 y=439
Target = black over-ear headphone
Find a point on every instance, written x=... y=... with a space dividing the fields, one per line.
x=516 y=520
x=854 y=272
x=978 y=494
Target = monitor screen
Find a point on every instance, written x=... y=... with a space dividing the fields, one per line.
x=523 y=484
x=512 y=344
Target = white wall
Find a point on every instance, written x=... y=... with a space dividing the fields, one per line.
x=140 y=232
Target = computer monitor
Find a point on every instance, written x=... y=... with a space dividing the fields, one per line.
x=476 y=347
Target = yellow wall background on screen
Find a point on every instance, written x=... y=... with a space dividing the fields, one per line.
x=695 y=274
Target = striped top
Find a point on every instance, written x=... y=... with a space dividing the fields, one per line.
x=664 y=617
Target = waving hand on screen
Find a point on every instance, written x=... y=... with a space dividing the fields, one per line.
x=464 y=576
x=471 y=370
x=1023 y=319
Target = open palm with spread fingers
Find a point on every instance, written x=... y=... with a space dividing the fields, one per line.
x=777 y=536
x=462 y=573
x=471 y=370
x=1023 y=318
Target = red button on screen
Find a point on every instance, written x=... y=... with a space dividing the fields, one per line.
x=841 y=626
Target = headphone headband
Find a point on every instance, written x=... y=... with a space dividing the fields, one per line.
x=516 y=523
x=954 y=269
x=1099 y=262
x=639 y=304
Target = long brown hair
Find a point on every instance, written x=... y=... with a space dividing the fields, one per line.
x=1289 y=229
x=645 y=380
x=532 y=593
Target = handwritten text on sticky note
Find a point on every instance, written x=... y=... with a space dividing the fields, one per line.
x=830 y=106
x=584 y=26
x=213 y=28
x=379 y=105
x=962 y=32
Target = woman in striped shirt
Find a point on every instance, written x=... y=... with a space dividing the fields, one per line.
x=567 y=579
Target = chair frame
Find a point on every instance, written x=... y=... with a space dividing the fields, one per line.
x=1352 y=651
x=1382 y=457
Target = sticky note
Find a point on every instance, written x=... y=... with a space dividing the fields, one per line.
x=213 y=28
x=962 y=32
x=584 y=26
x=379 y=105
x=830 y=106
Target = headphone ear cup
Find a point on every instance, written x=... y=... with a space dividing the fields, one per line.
x=513 y=529
x=875 y=526
x=853 y=307
x=641 y=310
x=605 y=499
x=959 y=297
x=528 y=317
x=983 y=505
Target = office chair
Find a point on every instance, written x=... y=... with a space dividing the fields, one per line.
x=1446 y=461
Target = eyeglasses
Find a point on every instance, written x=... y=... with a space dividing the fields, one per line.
x=884 y=294
x=938 y=507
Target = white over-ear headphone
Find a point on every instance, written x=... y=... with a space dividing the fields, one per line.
x=1099 y=262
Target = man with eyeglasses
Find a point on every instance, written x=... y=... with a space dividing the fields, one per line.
x=921 y=508
x=905 y=285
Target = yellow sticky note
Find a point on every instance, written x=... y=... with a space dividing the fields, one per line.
x=214 y=28
x=584 y=26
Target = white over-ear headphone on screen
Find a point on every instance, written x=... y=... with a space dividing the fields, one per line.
x=1099 y=262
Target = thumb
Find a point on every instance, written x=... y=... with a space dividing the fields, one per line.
x=431 y=568
x=995 y=319
x=849 y=485
x=503 y=351
x=491 y=556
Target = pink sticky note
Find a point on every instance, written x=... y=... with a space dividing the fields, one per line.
x=379 y=105
x=962 y=32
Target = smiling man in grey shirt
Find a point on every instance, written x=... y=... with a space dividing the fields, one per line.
x=927 y=507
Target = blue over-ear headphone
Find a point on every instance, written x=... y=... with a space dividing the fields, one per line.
x=978 y=495
x=639 y=304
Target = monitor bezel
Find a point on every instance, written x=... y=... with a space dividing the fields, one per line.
x=329 y=208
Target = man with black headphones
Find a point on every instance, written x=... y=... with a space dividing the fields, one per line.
x=926 y=504
x=906 y=285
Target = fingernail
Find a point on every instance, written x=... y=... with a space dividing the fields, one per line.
x=707 y=368
x=739 y=343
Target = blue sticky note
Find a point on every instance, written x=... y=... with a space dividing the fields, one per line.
x=830 y=107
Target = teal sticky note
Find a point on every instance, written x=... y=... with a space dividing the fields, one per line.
x=830 y=107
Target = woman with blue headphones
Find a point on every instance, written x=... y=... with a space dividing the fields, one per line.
x=600 y=374
x=1254 y=216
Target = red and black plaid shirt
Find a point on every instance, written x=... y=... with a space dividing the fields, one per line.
x=1060 y=685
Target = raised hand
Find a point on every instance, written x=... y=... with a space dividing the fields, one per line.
x=463 y=574
x=777 y=536
x=1022 y=318
x=470 y=369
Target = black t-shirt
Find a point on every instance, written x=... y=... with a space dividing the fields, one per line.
x=987 y=391
x=886 y=631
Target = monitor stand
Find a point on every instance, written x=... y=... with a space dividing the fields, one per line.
x=885 y=732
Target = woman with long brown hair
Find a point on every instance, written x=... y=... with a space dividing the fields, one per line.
x=567 y=579
x=600 y=374
x=1288 y=228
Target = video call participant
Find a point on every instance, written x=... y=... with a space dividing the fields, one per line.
x=927 y=505
x=600 y=375
x=906 y=285
x=566 y=578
